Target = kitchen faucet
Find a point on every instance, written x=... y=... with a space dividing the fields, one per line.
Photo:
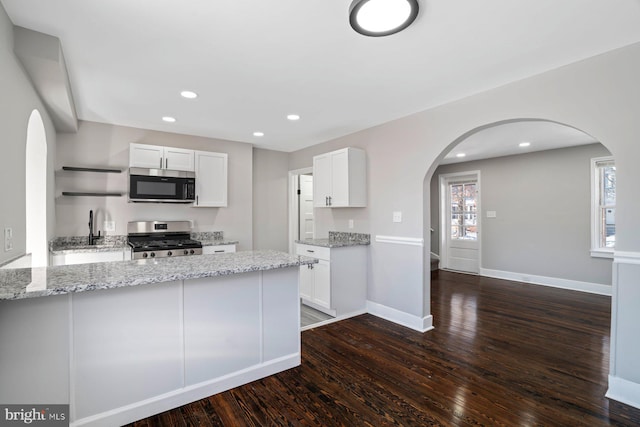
x=92 y=238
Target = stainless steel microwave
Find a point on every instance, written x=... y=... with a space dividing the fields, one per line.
x=161 y=186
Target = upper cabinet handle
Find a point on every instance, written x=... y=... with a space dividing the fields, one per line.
x=160 y=162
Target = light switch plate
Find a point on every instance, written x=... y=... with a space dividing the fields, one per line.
x=350 y=223
x=8 y=239
x=491 y=214
x=397 y=216
x=109 y=226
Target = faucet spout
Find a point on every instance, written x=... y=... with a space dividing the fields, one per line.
x=92 y=237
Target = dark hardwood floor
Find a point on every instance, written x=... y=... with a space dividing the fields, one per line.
x=502 y=354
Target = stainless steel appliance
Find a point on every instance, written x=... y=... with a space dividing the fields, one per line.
x=160 y=239
x=161 y=186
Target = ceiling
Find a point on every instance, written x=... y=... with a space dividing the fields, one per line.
x=252 y=62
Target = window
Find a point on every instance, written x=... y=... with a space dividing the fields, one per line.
x=464 y=212
x=603 y=207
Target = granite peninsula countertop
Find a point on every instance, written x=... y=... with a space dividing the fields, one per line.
x=58 y=280
x=338 y=239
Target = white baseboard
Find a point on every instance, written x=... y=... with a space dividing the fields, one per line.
x=574 y=285
x=624 y=391
x=420 y=324
x=180 y=397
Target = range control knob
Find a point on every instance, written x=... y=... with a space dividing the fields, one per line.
x=192 y=252
x=144 y=255
x=186 y=252
x=169 y=253
x=152 y=254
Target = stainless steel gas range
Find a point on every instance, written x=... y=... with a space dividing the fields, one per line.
x=160 y=239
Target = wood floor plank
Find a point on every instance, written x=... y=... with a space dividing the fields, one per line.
x=502 y=354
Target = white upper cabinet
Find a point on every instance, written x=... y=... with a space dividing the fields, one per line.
x=211 y=179
x=340 y=179
x=159 y=157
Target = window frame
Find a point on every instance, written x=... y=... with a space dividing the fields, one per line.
x=597 y=250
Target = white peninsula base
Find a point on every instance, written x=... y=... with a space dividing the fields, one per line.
x=119 y=355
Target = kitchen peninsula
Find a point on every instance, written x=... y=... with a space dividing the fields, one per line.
x=123 y=340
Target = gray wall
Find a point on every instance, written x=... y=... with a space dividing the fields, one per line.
x=270 y=201
x=599 y=96
x=543 y=205
x=18 y=99
x=98 y=144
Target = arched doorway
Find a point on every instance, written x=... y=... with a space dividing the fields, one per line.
x=36 y=191
x=539 y=206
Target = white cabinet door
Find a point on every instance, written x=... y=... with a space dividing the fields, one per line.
x=211 y=179
x=306 y=282
x=322 y=283
x=321 y=180
x=179 y=159
x=159 y=157
x=340 y=179
x=146 y=156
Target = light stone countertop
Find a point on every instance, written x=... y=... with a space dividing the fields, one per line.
x=339 y=240
x=58 y=280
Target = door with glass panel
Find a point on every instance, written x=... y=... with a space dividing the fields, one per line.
x=461 y=226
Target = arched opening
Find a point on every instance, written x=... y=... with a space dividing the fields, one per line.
x=36 y=191
x=535 y=221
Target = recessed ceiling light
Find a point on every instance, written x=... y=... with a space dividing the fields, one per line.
x=377 y=18
x=188 y=94
x=460 y=155
x=293 y=117
x=169 y=119
x=258 y=134
x=524 y=144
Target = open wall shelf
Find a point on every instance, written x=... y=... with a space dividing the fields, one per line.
x=82 y=169
x=91 y=194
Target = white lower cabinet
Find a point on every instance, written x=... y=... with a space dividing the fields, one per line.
x=218 y=249
x=90 y=256
x=337 y=284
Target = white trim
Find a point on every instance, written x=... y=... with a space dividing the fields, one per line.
x=597 y=250
x=411 y=241
x=293 y=208
x=624 y=391
x=554 y=282
x=626 y=257
x=173 y=399
x=334 y=319
x=420 y=324
x=435 y=256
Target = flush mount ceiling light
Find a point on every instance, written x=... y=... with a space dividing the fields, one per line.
x=293 y=117
x=378 y=18
x=169 y=119
x=188 y=94
x=460 y=155
x=524 y=144
x=258 y=134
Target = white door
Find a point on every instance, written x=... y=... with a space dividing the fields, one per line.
x=178 y=159
x=461 y=229
x=146 y=156
x=339 y=178
x=305 y=207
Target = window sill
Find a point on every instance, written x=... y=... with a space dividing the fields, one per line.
x=602 y=253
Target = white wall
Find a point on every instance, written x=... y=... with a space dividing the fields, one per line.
x=102 y=145
x=599 y=96
x=17 y=101
x=543 y=206
x=270 y=189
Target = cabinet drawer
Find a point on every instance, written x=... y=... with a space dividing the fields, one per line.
x=218 y=249
x=319 y=252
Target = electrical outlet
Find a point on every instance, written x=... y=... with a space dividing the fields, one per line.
x=109 y=226
x=397 y=216
x=350 y=223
